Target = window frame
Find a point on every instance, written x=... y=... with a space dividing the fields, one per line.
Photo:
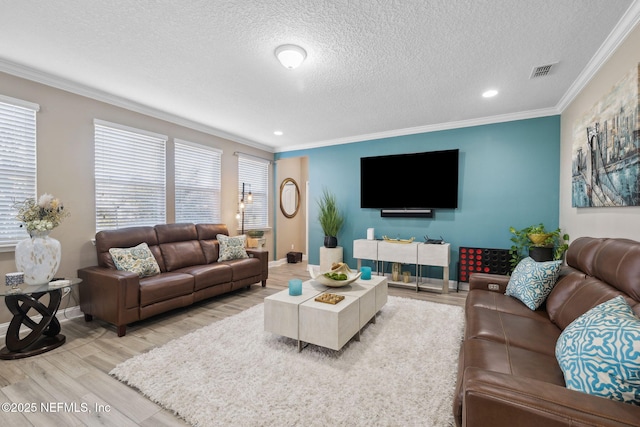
x=18 y=165
x=199 y=181
x=254 y=171
x=145 y=185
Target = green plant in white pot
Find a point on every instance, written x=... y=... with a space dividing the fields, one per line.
x=330 y=218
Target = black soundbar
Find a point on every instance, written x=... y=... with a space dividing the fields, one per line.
x=407 y=213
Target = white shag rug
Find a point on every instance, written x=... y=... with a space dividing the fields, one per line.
x=402 y=372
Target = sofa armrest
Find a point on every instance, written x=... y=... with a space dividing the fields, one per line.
x=483 y=280
x=111 y=295
x=263 y=256
x=496 y=399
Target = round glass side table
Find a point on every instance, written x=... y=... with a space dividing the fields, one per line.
x=42 y=328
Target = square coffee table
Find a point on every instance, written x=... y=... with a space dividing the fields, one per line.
x=327 y=325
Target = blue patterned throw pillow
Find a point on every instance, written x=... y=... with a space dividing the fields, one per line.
x=531 y=281
x=138 y=259
x=599 y=352
x=232 y=247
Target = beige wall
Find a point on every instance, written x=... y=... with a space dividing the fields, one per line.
x=66 y=158
x=597 y=222
x=291 y=231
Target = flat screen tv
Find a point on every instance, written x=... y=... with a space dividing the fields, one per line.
x=426 y=180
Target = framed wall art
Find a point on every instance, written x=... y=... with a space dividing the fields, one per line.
x=606 y=155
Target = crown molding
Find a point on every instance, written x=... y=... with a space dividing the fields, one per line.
x=625 y=25
x=61 y=83
x=502 y=118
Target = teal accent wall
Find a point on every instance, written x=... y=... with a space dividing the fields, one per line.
x=509 y=176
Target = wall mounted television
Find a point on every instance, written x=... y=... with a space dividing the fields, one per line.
x=410 y=182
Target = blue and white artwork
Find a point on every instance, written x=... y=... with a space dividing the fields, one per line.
x=606 y=155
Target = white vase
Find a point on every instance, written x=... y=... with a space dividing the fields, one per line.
x=38 y=257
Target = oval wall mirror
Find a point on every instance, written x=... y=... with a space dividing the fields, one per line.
x=289 y=197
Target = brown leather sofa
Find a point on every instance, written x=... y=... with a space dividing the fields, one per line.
x=508 y=374
x=187 y=255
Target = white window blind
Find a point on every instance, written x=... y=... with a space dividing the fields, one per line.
x=198 y=183
x=17 y=164
x=254 y=173
x=130 y=177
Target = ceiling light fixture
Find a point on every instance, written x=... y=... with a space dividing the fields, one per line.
x=278 y=133
x=490 y=93
x=290 y=55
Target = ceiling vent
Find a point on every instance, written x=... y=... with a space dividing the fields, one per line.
x=542 y=70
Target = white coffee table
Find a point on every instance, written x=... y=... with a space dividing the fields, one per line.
x=327 y=325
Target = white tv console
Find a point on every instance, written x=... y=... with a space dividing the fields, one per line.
x=406 y=253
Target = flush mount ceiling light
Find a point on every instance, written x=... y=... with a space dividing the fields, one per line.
x=490 y=93
x=278 y=133
x=290 y=55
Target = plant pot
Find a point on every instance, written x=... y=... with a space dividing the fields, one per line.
x=330 y=241
x=541 y=253
x=538 y=238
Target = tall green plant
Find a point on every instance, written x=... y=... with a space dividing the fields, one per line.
x=331 y=220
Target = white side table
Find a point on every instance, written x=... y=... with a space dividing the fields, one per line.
x=329 y=256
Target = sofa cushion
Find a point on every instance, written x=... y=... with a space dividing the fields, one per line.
x=534 y=334
x=124 y=238
x=501 y=357
x=478 y=298
x=582 y=252
x=574 y=295
x=164 y=287
x=232 y=247
x=210 y=231
x=182 y=254
x=599 y=353
x=137 y=259
x=245 y=268
x=531 y=281
x=616 y=263
x=208 y=275
x=211 y=250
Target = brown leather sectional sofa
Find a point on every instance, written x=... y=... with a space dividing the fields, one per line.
x=508 y=373
x=187 y=255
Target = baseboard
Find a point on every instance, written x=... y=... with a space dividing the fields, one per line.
x=283 y=261
x=62 y=316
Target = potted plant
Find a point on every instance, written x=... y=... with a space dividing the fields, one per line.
x=538 y=243
x=331 y=220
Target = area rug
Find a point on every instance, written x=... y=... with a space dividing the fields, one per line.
x=402 y=372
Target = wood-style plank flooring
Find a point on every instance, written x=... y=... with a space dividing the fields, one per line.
x=71 y=386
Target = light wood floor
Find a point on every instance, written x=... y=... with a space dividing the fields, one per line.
x=73 y=380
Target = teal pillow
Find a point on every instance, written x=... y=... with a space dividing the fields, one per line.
x=138 y=259
x=599 y=352
x=531 y=281
x=232 y=247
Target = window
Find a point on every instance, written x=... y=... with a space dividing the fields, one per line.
x=130 y=176
x=197 y=178
x=254 y=173
x=17 y=164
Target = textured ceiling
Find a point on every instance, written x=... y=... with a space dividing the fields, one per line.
x=374 y=67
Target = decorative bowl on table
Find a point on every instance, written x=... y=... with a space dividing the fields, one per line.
x=337 y=277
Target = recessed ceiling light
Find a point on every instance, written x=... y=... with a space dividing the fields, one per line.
x=278 y=133
x=490 y=93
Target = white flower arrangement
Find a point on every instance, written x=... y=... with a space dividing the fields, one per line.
x=45 y=215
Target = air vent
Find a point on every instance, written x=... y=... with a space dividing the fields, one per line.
x=542 y=70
